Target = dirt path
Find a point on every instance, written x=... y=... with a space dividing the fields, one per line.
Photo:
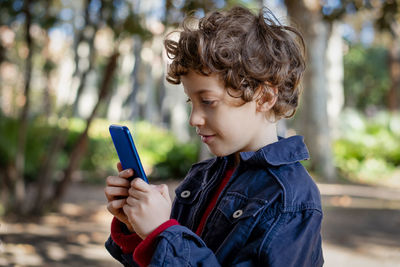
x=361 y=228
x=73 y=237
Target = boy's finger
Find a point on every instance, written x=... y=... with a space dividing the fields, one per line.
x=119 y=167
x=140 y=185
x=137 y=194
x=117 y=181
x=126 y=173
x=132 y=202
x=116 y=204
x=111 y=192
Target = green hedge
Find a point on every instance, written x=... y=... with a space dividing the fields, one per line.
x=161 y=154
x=369 y=147
x=37 y=144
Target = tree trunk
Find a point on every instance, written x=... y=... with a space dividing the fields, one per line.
x=2 y=58
x=394 y=72
x=47 y=91
x=19 y=184
x=160 y=94
x=91 y=56
x=312 y=119
x=79 y=148
x=150 y=110
x=80 y=36
x=335 y=74
x=47 y=68
x=47 y=104
x=131 y=99
x=6 y=186
x=46 y=171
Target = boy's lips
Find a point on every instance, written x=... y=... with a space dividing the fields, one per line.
x=206 y=138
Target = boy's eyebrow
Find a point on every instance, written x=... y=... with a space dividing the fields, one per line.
x=200 y=91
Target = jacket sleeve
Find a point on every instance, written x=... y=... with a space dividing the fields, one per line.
x=125 y=259
x=122 y=243
x=178 y=246
x=294 y=240
x=175 y=246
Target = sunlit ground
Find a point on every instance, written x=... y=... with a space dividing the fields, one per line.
x=361 y=228
x=361 y=225
x=74 y=237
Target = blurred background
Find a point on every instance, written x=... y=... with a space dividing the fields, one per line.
x=69 y=69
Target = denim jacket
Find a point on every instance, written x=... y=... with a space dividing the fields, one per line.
x=269 y=213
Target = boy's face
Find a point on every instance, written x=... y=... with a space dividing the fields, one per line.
x=224 y=123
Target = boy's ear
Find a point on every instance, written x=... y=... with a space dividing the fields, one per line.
x=267 y=98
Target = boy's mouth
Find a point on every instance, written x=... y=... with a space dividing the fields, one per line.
x=206 y=138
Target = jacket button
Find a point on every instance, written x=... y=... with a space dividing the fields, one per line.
x=185 y=194
x=237 y=214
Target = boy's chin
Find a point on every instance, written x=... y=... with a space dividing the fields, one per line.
x=219 y=153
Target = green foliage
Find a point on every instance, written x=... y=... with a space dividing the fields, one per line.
x=162 y=156
x=151 y=142
x=369 y=148
x=37 y=144
x=177 y=162
x=366 y=78
x=8 y=140
x=2 y=210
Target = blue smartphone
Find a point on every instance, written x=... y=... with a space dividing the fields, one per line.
x=126 y=150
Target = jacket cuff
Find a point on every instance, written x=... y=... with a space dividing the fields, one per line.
x=127 y=242
x=144 y=251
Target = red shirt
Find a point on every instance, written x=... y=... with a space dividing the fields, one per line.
x=213 y=201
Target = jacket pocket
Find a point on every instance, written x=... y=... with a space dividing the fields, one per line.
x=235 y=207
x=187 y=195
x=188 y=192
x=233 y=222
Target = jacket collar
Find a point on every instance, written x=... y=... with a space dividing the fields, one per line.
x=284 y=151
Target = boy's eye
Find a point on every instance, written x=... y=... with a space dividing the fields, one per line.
x=204 y=101
x=207 y=102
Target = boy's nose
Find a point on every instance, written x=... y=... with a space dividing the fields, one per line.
x=196 y=118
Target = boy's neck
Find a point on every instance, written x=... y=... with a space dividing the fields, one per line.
x=267 y=137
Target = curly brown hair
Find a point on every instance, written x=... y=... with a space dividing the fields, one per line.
x=247 y=51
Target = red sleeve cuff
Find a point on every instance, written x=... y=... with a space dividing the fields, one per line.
x=127 y=243
x=144 y=251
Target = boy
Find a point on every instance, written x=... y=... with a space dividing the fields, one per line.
x=252 y=205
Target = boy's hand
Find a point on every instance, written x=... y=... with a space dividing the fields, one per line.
x=147 y=207
x=116 y=192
